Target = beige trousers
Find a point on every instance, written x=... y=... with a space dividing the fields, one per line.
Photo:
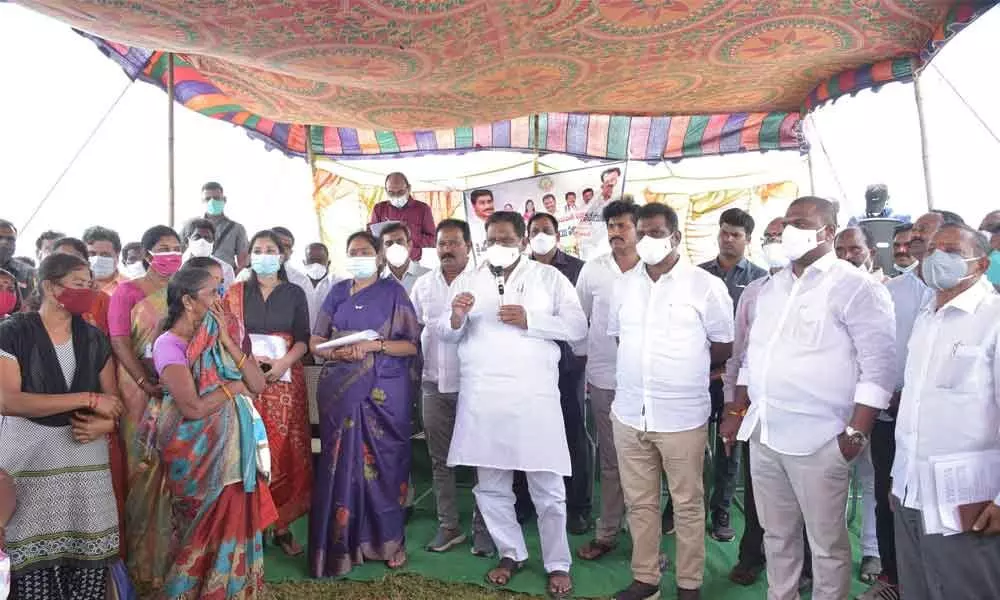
x=641 y=458
x=612 y=501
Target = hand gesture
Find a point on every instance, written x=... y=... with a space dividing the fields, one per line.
x=988 y=522
x=224 y=337
x=106 y=405
x=513 y=314
x=278 y=369
x=87 y=428
x=462 y=304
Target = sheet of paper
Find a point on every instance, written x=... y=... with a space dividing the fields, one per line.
x=270 y=346
x=965 y=478
x=928 y=502
x=367 y=335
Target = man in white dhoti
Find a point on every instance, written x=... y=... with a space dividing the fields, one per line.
x=506 y=317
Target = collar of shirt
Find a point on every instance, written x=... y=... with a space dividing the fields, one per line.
x=715 y=267
x=821 y=264
x=967 y=302
x=676 y=271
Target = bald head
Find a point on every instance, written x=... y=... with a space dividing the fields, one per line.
x=824 y=210
x=396 y=184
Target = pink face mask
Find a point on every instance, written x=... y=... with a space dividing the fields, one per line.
x=7 y=302
x=166 y=263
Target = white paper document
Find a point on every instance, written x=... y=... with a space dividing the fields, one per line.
x=272 y=347
x=965 y=478
x=367 y=335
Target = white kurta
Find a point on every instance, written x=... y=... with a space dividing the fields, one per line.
x=509 y=416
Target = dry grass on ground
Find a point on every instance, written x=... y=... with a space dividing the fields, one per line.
x=392 y=587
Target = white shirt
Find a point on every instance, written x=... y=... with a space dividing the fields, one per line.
x=909 y=295
x=316 y=294
x=742 y=322
x=509 y=416
x=665 y=329
x=594 y=286
x=951 y=396
x=820 y=344
x=431 y=298
x=413 y=272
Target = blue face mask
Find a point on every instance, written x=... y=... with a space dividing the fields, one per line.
x=993 y=273
x=265 y=264
x=215 y=206
x=944 y=270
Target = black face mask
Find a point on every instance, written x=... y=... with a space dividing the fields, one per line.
x=6 y=253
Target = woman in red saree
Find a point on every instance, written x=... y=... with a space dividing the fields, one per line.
x=212 y=448
x=275 y=317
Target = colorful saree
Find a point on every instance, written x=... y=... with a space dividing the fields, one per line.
x=364 y=421
x=147 y=513
x=220 y=505
x=285 y=410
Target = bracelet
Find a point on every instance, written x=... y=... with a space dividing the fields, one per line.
x=140 y=381
x=381 y=347
x=737 y=413
x=227 y=392
x=243 y=359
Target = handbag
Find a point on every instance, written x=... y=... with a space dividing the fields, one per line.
x=8 y=501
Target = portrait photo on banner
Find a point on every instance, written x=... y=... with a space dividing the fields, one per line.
x=575 y=198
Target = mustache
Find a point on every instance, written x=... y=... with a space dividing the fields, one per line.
x=622 y=240
x=444 y=256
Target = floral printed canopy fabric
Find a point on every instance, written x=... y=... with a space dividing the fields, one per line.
x=437 y=64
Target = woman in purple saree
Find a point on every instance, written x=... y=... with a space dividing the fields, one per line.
x=364 y=397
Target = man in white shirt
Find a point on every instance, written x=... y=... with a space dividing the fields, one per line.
x=950 y=405
x=673 y=321
x=506 y=317
x=594 y=287
x=431 y=297
x=397 y=244
x=198 y=239
x=317 y=269
x=820 y=364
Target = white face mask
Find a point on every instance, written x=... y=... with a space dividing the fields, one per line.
x=134 y=270
x=361 y=267
x=397 y=255
x=102 y=266
x=543 y=243
x=200 y=248
x=653 y=251
x=798 y=242
x=316 y=271
x=502 y=256
x=398 y=201
x=775 y=255
x=903 y=269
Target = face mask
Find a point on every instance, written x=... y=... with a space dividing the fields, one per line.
x=200 y=248
x=775 y=255
x=265 y=264
x=944 y=271
x=993 y=272
x=903 y=269
x=361 y=267
x=76 y=300
x=6 y=253
x=797 y=242
x=102 y=266
x=543 y=243
x=166 y=263
x=315 y=271
x=134 y=270
x=215 y=206
x=398 y=201
x=7 y=302
x=397 y=255
x=502 y=256
x=652 y=250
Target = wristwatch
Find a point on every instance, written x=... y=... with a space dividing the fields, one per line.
x=856 y=437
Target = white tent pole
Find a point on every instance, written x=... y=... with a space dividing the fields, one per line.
x=924 y=155
x=170 y=137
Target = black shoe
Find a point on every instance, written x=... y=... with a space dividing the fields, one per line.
x=683 y=594
x=577 y=524
x=639 y=591
x=721 y=530
x=668 y=522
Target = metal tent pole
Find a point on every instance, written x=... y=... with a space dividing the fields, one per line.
x=170 y=137
x=924 y=146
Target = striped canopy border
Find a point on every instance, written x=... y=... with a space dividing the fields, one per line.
x=593 y=136
x=957 y=19
x=856 y=80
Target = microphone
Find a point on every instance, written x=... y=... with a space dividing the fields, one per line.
x=498 y=275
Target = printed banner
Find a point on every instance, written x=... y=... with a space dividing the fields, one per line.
x=575 y=198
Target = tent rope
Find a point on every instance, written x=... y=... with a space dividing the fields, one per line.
x=972 y=110
x=79 y=151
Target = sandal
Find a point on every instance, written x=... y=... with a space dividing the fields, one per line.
x=396 y=562
x=555 y=593
x=286 y=541
x=501 y=574
x=595 y=549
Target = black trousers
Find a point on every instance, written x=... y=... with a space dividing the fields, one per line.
x=580 y=486
x=752 y=542
x=883 y=442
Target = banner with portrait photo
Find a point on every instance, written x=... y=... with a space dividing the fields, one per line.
x=575 y=198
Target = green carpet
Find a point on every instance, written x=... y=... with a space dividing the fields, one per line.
x=597 y=579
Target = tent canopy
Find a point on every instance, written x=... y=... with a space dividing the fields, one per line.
x=388 y=76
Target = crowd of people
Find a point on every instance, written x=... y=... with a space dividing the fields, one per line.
x=156 y=424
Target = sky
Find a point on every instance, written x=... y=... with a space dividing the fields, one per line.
x=58 y=86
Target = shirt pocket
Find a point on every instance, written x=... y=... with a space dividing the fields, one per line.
x=957 y=372
x=805 y=327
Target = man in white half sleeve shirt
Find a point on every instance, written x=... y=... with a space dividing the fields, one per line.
x=950 y=405
x=820 y=364
x=506 y=317
x=673 y=321
x=594 y=287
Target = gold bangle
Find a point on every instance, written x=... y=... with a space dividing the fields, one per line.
x=243 y=359
x=738 y=413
